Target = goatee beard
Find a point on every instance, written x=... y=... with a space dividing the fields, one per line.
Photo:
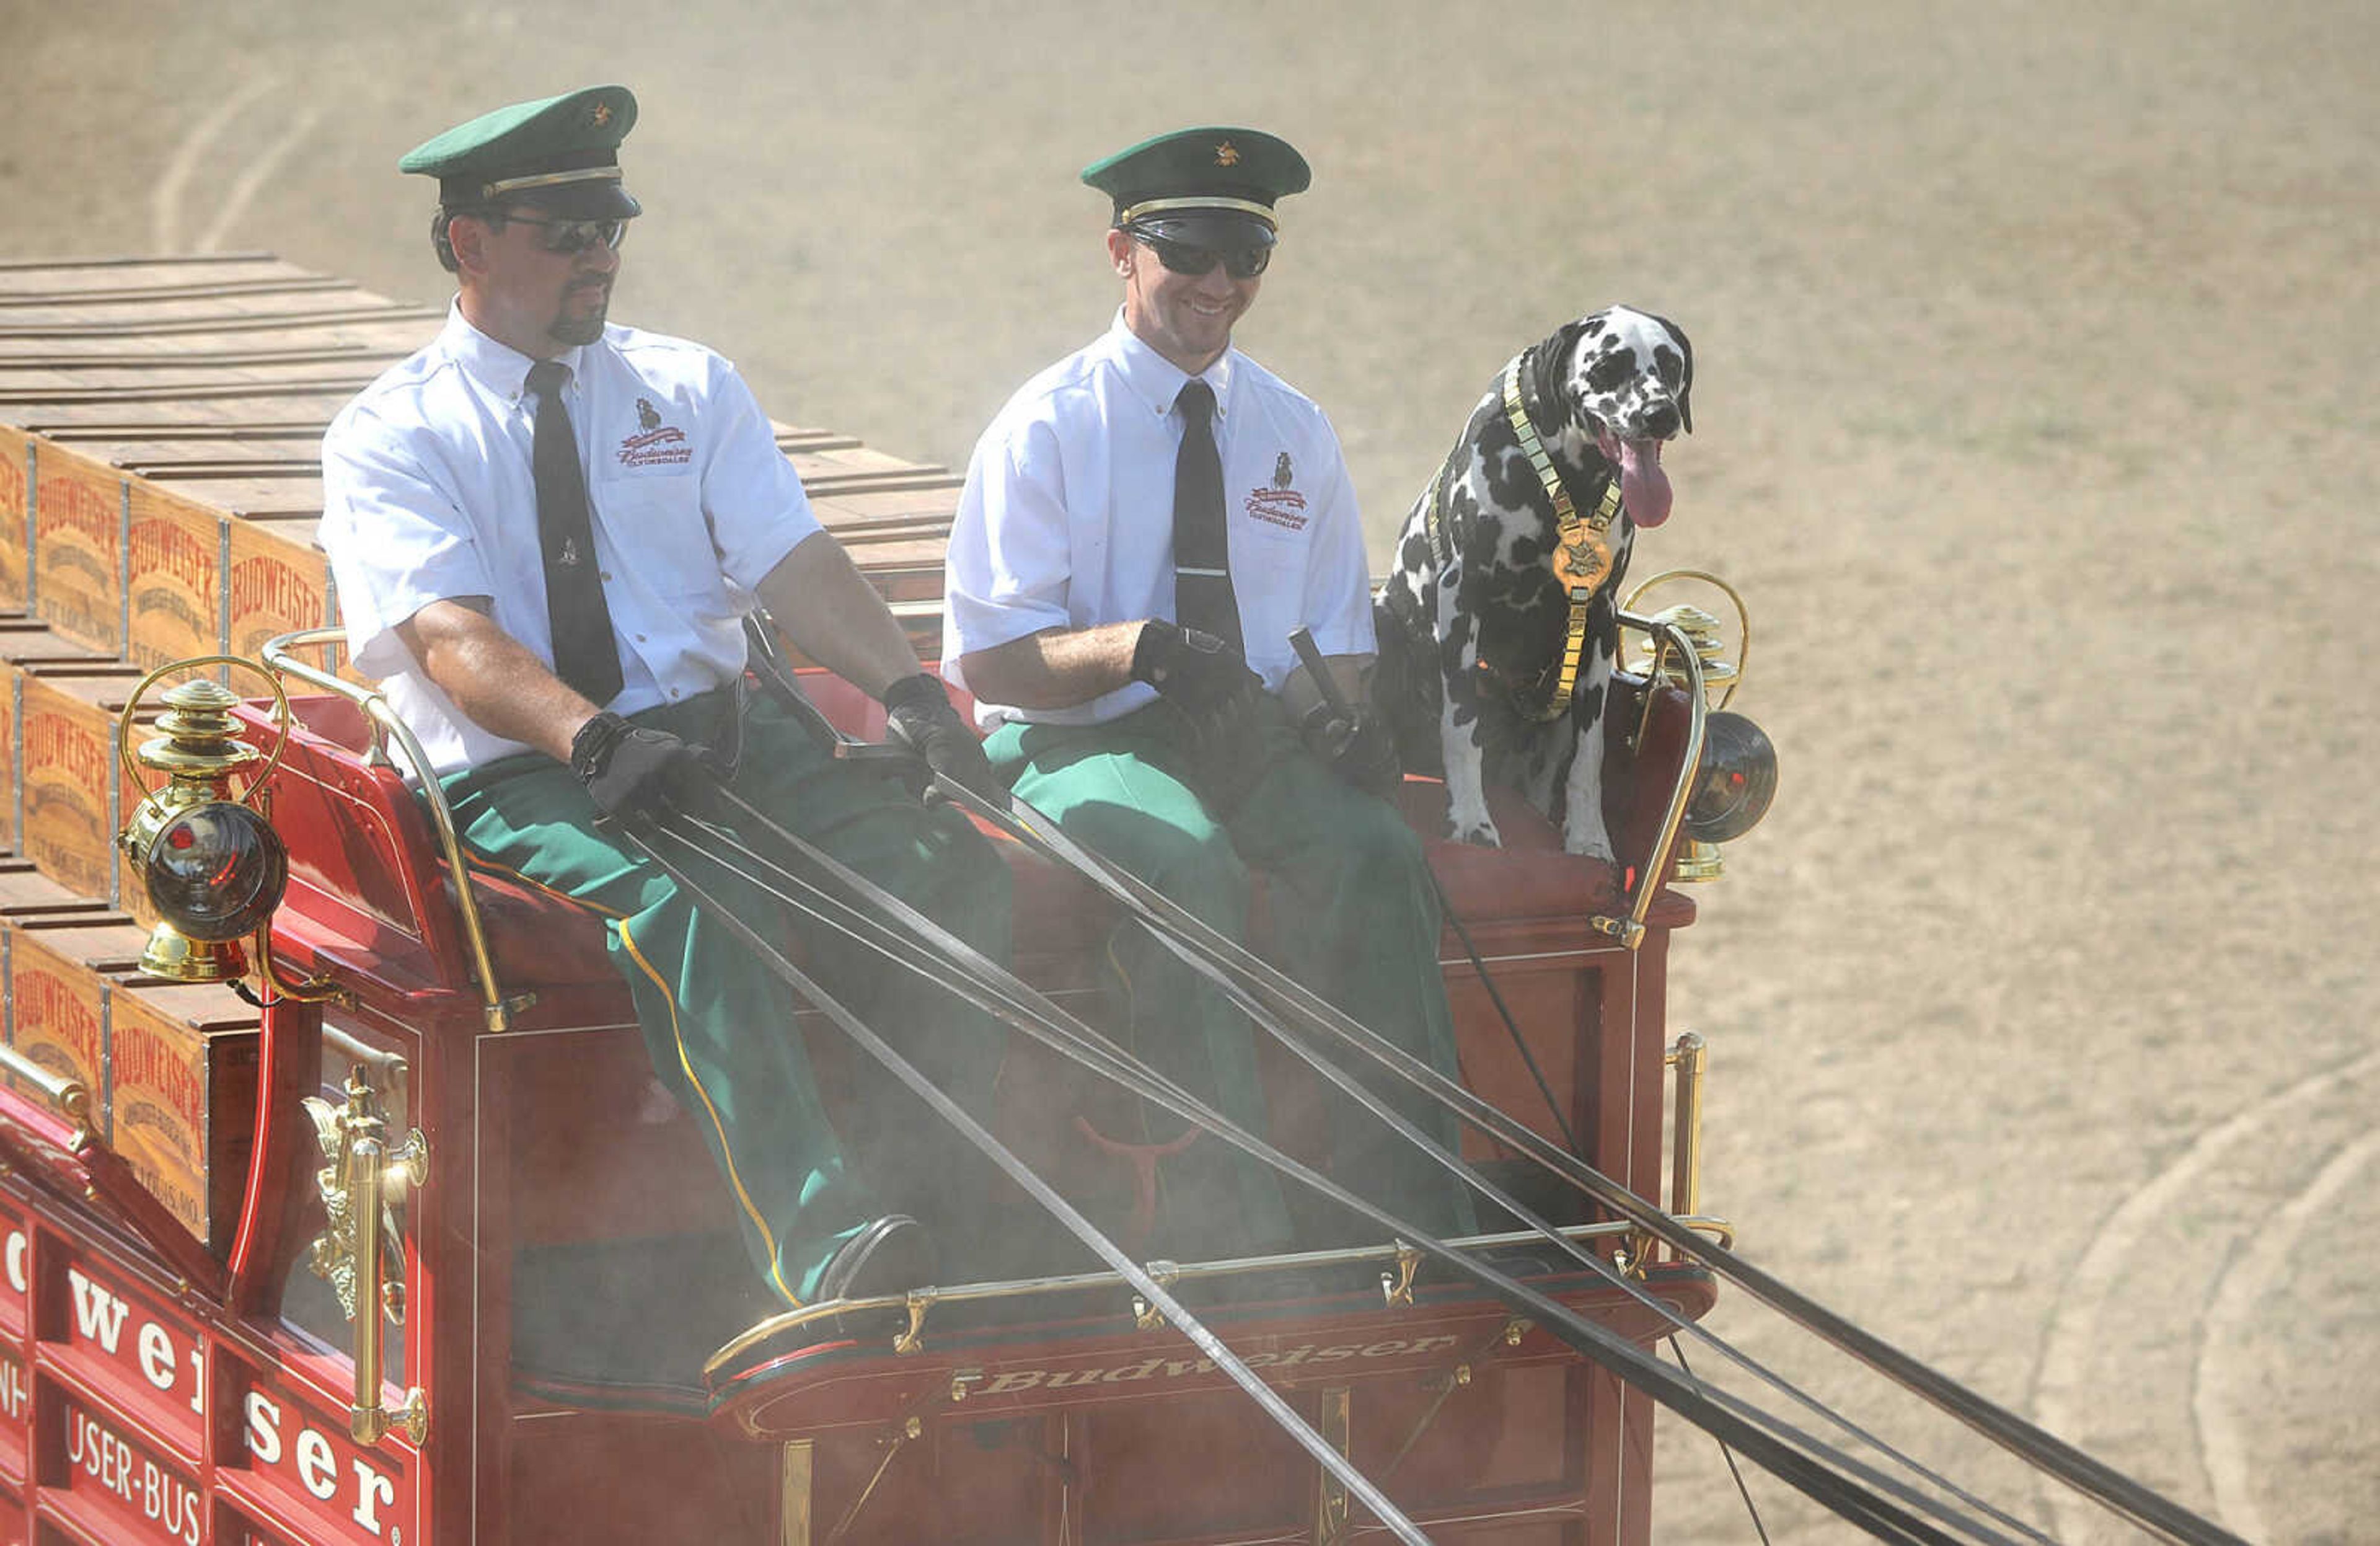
x=580 y=330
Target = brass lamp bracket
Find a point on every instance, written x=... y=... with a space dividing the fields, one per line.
x=913 y=1339
x=1627 y=931
x=1147 y=1316
x=1396 y=1286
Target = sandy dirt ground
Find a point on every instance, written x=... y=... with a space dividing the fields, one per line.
x=2034 y=423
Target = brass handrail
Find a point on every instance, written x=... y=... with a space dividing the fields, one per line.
x=71 y=1097
x=918 y=1302
x=1690 y=1058
x=1630 y=931
x=372 y=1172
x=499 y=1010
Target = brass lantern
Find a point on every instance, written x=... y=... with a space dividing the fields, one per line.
x=213 y=866
x=1737 y=777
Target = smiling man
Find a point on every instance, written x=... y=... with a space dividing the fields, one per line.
x=1143 y=526
x=547 y=530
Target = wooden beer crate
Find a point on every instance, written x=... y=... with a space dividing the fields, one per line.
x=174 y=577
x=181 y=1098
x=24 y=644
x=78 y=576
x=278 y=581
x=17 y=456
x=71 y=787
x=58 y=969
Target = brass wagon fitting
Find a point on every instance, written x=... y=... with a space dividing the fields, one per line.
x=1700 y=631
x=356 y=1253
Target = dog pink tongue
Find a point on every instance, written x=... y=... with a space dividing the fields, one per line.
x=1644 y=487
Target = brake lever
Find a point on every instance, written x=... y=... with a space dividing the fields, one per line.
x=1309 y=654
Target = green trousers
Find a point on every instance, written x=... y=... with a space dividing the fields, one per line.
x=720 y=1026
x=1354 y=919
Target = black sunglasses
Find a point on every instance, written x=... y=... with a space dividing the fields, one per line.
x=1182 y=257
x=570 y=237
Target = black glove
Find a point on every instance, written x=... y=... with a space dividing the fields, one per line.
x=1219 y=698
x=1359 y=750
x=1193 y=669
x=631 y=770
x=919 y=714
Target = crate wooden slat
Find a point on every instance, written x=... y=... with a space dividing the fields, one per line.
x=251 y=297
x=251 y=497
x=26 y=892
x=158 y=379
x=192 y=419
x=25 y=405
x=391 y=335
x=54 y=279
x=223 y=321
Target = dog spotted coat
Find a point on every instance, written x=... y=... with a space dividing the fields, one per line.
x=1473 y=619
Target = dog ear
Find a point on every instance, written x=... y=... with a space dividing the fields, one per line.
x=1549 y=371
x=1686 y=375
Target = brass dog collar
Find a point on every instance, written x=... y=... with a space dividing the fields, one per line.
x=1582 y=556
x=1582 y=551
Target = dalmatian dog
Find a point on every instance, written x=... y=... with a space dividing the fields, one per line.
x=1475 y=619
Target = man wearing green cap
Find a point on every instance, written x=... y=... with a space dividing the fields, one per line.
x=1143 y=526
x=547 y=531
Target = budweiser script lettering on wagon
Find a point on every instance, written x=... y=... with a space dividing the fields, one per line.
x=1010 y=1381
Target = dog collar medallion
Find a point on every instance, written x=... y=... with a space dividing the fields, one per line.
x=1582 y=558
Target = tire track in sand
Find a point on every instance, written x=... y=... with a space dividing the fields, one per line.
x=165 y=197
x=2059 y=1380
x=2240 y=1298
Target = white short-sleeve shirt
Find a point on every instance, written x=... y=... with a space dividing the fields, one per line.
x=1067 y=518
x=429 y=495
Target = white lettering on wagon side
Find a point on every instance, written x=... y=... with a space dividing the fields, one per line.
x=313 y=1459
x=161 y=1496
x=162 y=1352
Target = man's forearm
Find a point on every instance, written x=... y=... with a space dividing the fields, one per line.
x=832 y=614
x=498 y=683
x=1055 y=669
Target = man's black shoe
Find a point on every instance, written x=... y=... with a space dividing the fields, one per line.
x=891 y=1256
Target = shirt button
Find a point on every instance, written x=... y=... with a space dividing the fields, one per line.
x=640 y=639
x=673 y=693
x=607 y=576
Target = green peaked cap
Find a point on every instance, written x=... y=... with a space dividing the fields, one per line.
x=560 y=153
x=1204 y=177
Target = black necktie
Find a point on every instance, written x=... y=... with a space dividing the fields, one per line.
x=585 y=654
x=1202 y=554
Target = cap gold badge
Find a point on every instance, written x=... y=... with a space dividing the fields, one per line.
x=599 y=115
x=1227 y=154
